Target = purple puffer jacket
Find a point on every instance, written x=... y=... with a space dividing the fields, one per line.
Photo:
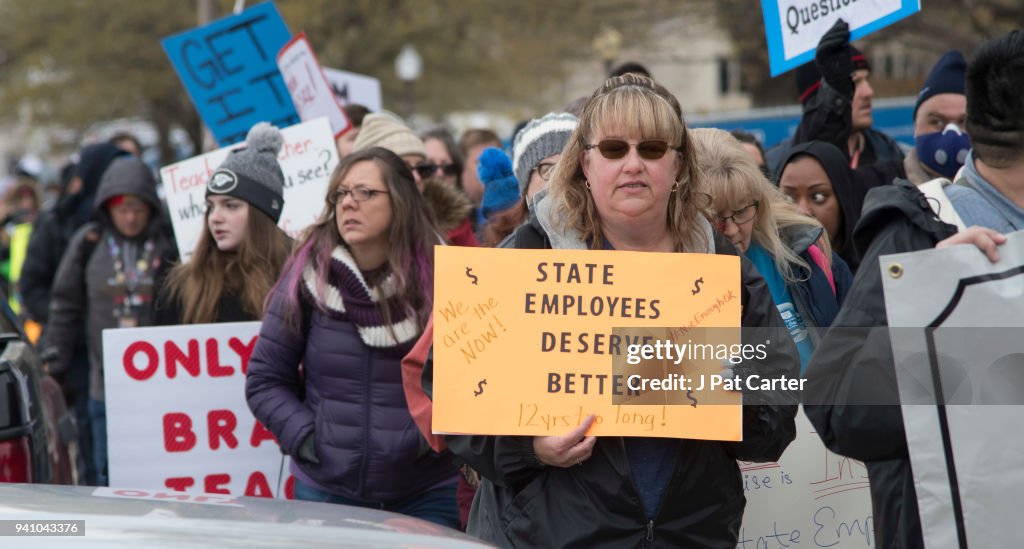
x=367 y=443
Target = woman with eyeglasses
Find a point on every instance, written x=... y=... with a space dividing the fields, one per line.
x=353 y=299
x=807 y=280
x=627 y=181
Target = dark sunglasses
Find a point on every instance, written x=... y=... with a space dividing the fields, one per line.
x=614 y=149
x=428 y=169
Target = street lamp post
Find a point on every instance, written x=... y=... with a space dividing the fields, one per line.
x=608 y=45
x=408 y=67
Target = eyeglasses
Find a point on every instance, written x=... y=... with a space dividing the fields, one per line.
x=739 y=217
x=359 y=194
x=614 y=149
x=428 y=169
x=545 y=169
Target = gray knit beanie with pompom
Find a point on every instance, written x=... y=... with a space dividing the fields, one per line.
x=252 y=172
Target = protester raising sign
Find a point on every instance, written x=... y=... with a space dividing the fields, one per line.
x=793 y=27
x=176 y=412
x=307 y=159
x=525 y=341
x=229 y=71
x=311 y=94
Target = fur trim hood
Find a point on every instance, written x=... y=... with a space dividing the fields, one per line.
x=449 y=206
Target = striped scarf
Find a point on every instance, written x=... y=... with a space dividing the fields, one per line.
x=347 y=296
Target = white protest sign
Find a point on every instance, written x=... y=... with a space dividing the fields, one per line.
x=794 y=27
x=307 y=159
x=306 y=83
x=350 y=87
x=809 y=498
x=177 y=419
x=955 y=322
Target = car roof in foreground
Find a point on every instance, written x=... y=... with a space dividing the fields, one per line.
x=153 y=518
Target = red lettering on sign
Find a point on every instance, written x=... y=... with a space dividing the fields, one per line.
x=213 y=366
x=289 y=487
x=179 y=484
x=221 y=425
x=258 y=486
x=178 y=435
x=189 y=362
x=214 y=484
x=152 y=360
x=260 y=434
x=244 y=350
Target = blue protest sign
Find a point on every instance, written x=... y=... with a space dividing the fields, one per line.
x=793 y=27
x=229 y=68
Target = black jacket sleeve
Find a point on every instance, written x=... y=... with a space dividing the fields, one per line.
x=40 y=267
x=69 y=301
x=851 y=395
x=768 y=416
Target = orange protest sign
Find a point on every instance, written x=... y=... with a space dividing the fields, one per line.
x=530 y=342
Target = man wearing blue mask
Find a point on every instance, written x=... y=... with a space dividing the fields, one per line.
x=940 y=143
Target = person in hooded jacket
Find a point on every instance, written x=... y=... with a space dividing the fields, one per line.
x=807 y=280
x=106 y=280
x=820 y=184
x=241 y=252
x=54 y=228
x=573 y=490
x=49 y=239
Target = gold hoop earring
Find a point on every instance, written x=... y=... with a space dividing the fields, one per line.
x=587 y=183
x=675 y=186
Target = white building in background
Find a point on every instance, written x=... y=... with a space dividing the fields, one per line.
x=691 y=56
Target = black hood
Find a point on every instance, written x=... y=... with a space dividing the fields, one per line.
x=901 y=199
x=848 y=193
x=93 y=161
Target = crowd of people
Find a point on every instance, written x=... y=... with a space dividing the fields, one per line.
x=340 y=374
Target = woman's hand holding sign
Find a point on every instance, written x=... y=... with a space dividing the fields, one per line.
x=572 y=448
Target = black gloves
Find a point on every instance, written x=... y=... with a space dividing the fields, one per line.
x=833 y=59
x=307 y=450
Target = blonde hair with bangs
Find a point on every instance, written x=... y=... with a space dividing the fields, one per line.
x=734 y=182
x=628 y=103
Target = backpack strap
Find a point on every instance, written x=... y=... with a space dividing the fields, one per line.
x=935 y=192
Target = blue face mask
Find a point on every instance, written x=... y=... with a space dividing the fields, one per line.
x=943 y=152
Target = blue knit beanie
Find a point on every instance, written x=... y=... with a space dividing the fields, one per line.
x=949 y=75
x=501 y=188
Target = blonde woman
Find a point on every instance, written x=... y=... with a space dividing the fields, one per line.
x=791 y=251
x=627 y=181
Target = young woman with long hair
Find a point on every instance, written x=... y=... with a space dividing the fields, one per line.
x=353 y=299
x=240 y=254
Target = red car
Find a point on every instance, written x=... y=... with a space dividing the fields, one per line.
x=34 y=423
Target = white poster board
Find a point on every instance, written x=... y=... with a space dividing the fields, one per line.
x=794 y=27
x=311 y=94
x=307 y=159
x=350 y=87
x=809 y=498
x=177 y=419
x=956 y=323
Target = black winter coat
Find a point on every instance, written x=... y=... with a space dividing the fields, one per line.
x=851 y=394
x=522 y=503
